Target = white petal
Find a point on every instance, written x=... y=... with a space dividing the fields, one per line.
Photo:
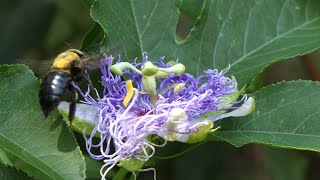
x=84 y=112
x=246 y=108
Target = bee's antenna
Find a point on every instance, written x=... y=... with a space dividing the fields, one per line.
x=68 y=45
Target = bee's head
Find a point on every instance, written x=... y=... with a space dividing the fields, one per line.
x=81 y=54
x=70 y=61
x=71 y=54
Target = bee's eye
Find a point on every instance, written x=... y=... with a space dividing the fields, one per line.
x=76 y=69
x=83 y=55
x=77 y=73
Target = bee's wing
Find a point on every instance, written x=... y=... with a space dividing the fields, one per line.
x=39 y=67
x=93 y=62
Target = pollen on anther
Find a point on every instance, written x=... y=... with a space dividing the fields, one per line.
x=129 y=94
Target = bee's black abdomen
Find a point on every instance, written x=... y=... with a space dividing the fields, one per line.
x=52 y=89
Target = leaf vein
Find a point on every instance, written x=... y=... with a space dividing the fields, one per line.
x=148 y=23
x=219 y=34
x=272 y=40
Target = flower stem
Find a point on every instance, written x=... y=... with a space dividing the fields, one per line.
x=121 y=174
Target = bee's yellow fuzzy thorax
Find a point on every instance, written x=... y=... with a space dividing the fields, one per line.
x=63 y=60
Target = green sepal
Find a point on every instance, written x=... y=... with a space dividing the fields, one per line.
x=131 y=164
x=202 y=133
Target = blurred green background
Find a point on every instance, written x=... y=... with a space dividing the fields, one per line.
x=39 y=29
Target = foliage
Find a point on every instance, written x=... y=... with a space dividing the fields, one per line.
x=247 y=35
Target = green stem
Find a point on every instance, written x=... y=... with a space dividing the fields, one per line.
x=121 y=174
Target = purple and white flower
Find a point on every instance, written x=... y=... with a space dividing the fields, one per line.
x=155 y=100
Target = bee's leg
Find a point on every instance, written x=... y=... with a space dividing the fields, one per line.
x=72 y=106
x=87 y=77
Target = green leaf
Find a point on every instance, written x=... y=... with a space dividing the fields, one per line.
x=10 y=159
x=191 y=8
x=46 y=144
x=190 y=11
x=286 y=115
x=92 y=39
x=11 y=173
x=249 y=35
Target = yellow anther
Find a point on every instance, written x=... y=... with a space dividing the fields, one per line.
x=178 y=87
x=129 y=94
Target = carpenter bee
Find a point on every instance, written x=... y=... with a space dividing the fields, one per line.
x=67 y=68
